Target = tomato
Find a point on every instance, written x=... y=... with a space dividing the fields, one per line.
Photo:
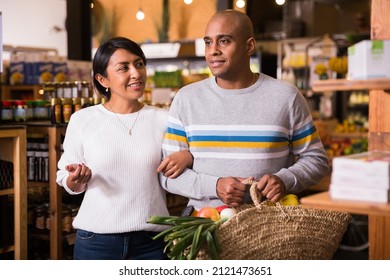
x=220 y=208
x=209 y=212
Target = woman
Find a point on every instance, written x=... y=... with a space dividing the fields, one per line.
x=112 y=152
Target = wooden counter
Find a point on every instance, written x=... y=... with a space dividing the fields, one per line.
x=378 y=219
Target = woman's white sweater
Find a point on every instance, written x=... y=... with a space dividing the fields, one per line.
x=124 y=190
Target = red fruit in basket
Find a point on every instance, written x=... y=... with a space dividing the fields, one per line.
x=208 y=212
x=220 y=208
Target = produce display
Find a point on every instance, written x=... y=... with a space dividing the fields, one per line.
x=339 y=65
x=195 y=230
x=346 y=146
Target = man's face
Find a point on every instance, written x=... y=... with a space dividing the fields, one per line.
x=225 y=48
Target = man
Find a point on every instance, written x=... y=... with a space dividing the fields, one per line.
x=241 y=125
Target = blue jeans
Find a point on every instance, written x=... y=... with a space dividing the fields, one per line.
x=137 y=245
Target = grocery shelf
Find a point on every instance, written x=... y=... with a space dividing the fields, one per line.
x=13 y=149
x=6 y=192
x=350 y=135
x=348 y=85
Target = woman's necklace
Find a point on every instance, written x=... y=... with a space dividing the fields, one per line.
x=136 y=118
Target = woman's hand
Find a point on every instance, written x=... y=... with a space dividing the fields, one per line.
x=79 y=176
x=174 y=164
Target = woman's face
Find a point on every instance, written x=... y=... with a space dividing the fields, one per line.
x=126 y=75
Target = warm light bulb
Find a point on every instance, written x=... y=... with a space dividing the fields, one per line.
x=240 y=3
x=188 y=2
x=140 y=15
x=280 y=2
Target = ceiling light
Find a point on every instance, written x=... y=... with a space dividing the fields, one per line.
x=188 y=2
x=240 y=3
x=280 y=2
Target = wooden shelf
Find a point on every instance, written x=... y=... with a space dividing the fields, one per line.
x=30 y=92
x=54 y=133
x=324 y=201
x=7 y=249
x=13 y=149
x=6 y=192
x=350 y=135
x=349 y=85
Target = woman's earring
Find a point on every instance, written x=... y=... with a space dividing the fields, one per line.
x=106 y=89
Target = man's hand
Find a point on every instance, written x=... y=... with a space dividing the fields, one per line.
x=272 y=187
x=231 y=190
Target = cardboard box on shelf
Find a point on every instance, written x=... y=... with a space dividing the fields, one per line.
x=371 y=163
x=359 y=180
x=337 y=191
x=369 y=59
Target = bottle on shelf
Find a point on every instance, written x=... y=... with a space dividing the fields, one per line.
x=56 y=111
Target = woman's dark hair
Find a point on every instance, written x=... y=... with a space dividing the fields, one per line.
x=103 y=56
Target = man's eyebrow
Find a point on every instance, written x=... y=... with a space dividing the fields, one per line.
x=218 y=36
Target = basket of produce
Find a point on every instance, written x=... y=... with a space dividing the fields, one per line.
x=263 y=230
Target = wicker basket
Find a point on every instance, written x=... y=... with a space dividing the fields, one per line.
x=261 y=231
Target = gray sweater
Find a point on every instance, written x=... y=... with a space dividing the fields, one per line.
x=263 y=129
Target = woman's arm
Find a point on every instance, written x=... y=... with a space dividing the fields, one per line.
x=174 y=164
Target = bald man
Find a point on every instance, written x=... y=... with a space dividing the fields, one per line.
x=241 y=126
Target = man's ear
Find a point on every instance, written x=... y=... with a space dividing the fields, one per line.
x=251 y=45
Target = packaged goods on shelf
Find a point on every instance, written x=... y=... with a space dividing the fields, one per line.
x=17 y=69
x=369 y=59
x=368 y=194
x=33 y=68
x=60 y=69
x=363 y=176
x=30 y=68
x=372 y=163
x=359 y=180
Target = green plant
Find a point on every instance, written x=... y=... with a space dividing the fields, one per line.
x=163 y=27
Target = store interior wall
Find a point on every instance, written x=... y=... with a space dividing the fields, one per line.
x=37 y=23
x=42 y=23
x=187 y=22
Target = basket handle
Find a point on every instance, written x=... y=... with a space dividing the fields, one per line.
x=255 y=195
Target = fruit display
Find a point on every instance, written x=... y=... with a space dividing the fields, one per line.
x=321 y=70
x=346 y=146
x=353 y=124
x=339 y=64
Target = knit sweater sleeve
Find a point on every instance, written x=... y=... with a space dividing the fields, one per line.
x=311 y=161
x=190 y=184
x=73 y=152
